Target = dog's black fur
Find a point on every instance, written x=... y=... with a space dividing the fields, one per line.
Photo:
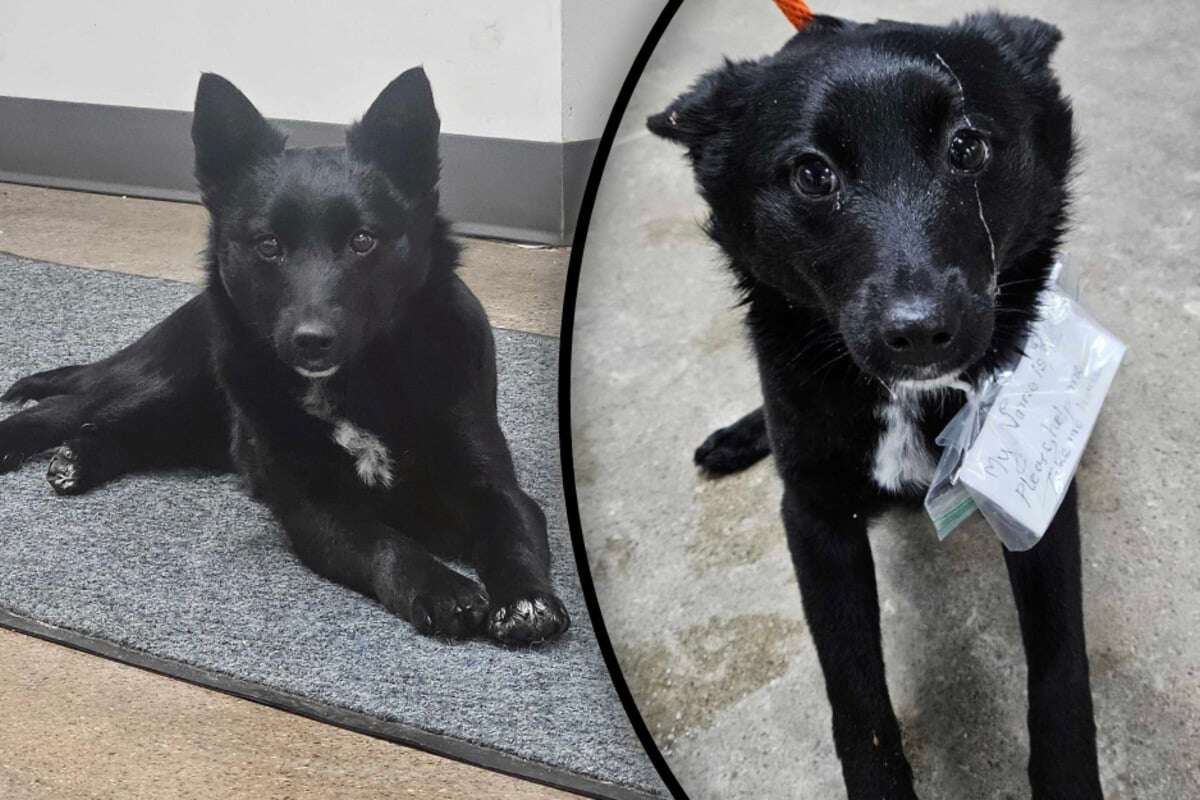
x=328 y=260
x=891 y=198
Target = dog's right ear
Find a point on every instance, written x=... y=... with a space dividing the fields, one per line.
x=709 y=108
x=228 y=133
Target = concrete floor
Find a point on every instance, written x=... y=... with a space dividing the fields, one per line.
x=693 y=576
x=79 y=726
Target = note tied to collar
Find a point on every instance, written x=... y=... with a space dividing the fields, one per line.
x=1012 y=450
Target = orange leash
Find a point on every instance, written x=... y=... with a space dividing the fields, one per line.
x=797 y=12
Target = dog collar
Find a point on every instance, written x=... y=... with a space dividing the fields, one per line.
x=797 y=12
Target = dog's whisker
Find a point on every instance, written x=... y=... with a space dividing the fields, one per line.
x=824 y=352
x=826 y=368
x=815 y=347
x=832 y=361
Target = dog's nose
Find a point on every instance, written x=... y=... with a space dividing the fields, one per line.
x=918 y=332
x=313 y=340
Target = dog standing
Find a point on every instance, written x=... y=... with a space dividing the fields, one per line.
x=336 y=360
x=891 y=198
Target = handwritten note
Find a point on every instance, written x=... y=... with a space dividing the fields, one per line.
x=1035 y=432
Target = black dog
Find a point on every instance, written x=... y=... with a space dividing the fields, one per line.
x=890 y=198
x=338 y=352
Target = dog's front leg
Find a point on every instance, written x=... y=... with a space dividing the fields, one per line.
x=513 y=558
x=1047 y=586
x=342 y=545
x=837 y=584
x=33 y=430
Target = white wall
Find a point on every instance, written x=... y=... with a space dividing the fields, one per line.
x=600 y=40
x=498 y=67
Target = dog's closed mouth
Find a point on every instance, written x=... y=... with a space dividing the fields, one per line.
x=319 y=373
x=933 y=376
x=950 y=380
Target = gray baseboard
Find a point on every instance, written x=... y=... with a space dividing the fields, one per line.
x=504 y=188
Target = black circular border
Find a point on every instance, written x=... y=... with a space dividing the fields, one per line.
x=564 y=397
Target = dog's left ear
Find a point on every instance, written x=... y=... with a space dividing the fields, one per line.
x=399 y=133
x=1028 y=42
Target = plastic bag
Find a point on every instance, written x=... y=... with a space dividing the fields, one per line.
x=1011 y=451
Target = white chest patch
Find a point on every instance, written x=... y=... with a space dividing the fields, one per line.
x=902 y=458
x=372 y=460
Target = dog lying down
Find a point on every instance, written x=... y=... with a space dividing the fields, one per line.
x=337 y=362
x=890 y=198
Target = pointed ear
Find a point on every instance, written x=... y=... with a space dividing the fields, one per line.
x=1028 y=42
x=228 y=133
x=399 y=133
x=711 y=106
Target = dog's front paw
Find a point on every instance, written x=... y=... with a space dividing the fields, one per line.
x=456 y=610
x=23 y=391
x=732 y=449
x=67 y=472
x=534 y=618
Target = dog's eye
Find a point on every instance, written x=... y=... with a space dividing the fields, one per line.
x=814 y=177
x=268 y=247
x=969 y=151
x=362 y=242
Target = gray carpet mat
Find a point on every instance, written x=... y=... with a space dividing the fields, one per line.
x=184 y=574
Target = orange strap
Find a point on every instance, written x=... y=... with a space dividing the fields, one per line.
x=797 y=12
